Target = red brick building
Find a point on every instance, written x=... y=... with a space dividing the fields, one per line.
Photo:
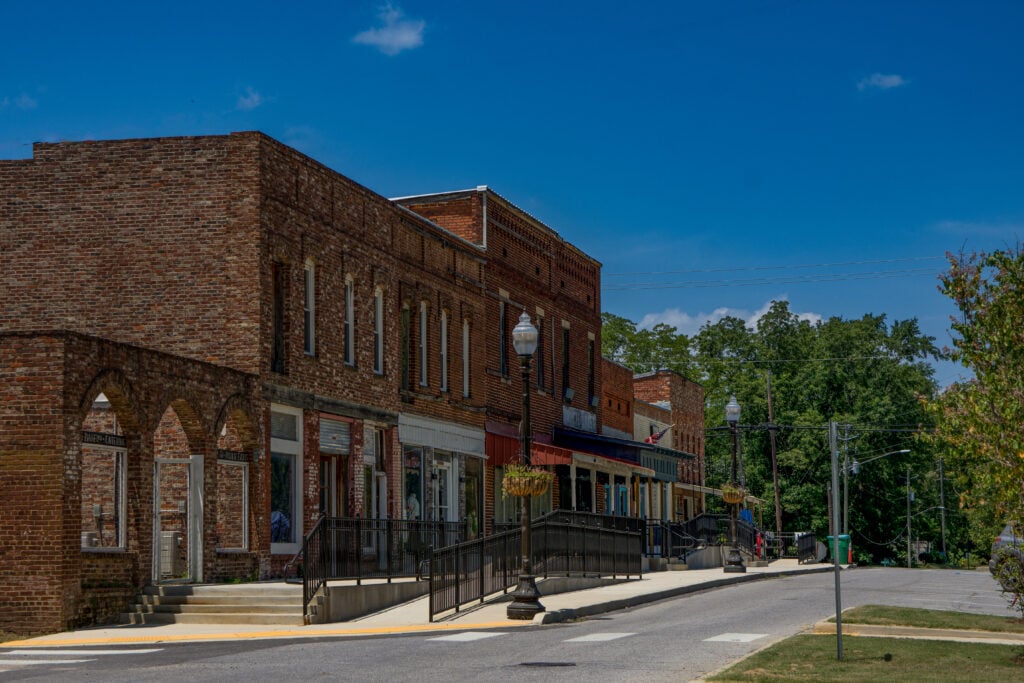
x=678 y=403
x=286 y=307
x=530 y=268
x=209 y=343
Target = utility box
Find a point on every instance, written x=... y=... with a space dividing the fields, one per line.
x=172 y=561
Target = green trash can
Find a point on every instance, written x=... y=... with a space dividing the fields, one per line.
x=844 y=548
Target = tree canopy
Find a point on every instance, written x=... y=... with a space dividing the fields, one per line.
x=981 y=421
x=866 y=373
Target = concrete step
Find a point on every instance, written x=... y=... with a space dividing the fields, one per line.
x=285 y=601
x=253 y=603
x=188 y=608
x=250 y=618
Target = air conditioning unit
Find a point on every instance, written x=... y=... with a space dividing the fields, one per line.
x=90 y=539
x=172 y=563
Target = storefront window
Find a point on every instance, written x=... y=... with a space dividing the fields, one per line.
x=413 y=466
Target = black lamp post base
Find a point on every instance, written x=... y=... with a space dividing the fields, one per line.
x=734 y=562
x=525 y=599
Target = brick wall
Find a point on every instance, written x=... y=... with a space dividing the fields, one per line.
x=617 y=397
x=140 y=241
x=47 y=386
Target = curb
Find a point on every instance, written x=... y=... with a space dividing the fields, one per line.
x=828 y=628
x=571 y=613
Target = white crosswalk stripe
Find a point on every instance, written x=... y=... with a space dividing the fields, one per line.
x=735 y=638
x=467 y=637
x=55 y=657
x=599 y=637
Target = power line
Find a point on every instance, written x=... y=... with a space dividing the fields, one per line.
x=788 y=267
x=781 y=280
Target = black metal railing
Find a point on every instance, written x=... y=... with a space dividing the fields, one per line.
x=565 y=543
x=669 y=539
x=356 y=548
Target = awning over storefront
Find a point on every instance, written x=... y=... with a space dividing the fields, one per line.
x=611 y=465
x=448 y=436
x=546 y=454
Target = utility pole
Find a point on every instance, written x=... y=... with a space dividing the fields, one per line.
x=908 y=517
x=775 y=469
x=942 y=509
x=846 y=481
x=834 y=456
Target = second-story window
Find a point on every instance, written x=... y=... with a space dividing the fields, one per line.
x=444 y=350
x=465 y=357
x=591 y=398
x=424 y=374
x=350 y=320
x=378 y=331
x=277 y=317
x=309 y=309
x=539 y=355
x=405 y=344
x=502 y=339
x=566 y=391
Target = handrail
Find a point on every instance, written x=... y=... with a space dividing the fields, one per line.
x=565 y=543
x=312 y=580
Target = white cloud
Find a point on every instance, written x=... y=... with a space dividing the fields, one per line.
x=882 y=82
x=395 y=33
x=249 y=101
x=23 y=101
x=690 y=324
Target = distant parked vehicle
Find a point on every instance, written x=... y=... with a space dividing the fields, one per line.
x=1008 y=547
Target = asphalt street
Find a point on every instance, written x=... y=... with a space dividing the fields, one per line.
x=677 y=639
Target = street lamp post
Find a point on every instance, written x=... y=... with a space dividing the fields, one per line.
x=854 y=467
x=526 y=598
x=733 y=560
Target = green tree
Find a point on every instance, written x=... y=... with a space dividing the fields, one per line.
x=980 y=420
x=866 y=372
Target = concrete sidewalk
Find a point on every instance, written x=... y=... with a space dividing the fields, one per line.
x=413 y=617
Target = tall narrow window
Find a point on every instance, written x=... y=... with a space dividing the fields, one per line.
x=590 y=374
x=539 y=355
x=406 y=343
x=309 y=308
x=502 y=340
x=566 y=391
x=350 y=319
x=285 y=479
x=277 y=317
x=424 y=369
x=465 y=357
x=444 y=351
x=378 y=331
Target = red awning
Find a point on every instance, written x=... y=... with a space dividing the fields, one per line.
x=502 y=450
x=546 y=454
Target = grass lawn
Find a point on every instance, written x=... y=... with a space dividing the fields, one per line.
x=930 y=618
x=813 y=658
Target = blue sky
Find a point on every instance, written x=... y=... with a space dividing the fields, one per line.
x=712 y=155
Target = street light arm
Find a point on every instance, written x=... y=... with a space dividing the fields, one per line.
x=884 y=455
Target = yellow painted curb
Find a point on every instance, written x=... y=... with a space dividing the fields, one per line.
x=45 y=642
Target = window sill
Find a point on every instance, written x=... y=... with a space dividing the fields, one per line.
x=105 y=551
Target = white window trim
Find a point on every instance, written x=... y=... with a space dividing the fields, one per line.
x=444 y=351
x=288 y=447
x=120 y=457
x=465 y=357
x=424 y=370
x=350 y=320
x=378 y=331
x=309 y=308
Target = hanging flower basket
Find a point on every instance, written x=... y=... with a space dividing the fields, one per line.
x=520 y=480
x=732 y=494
